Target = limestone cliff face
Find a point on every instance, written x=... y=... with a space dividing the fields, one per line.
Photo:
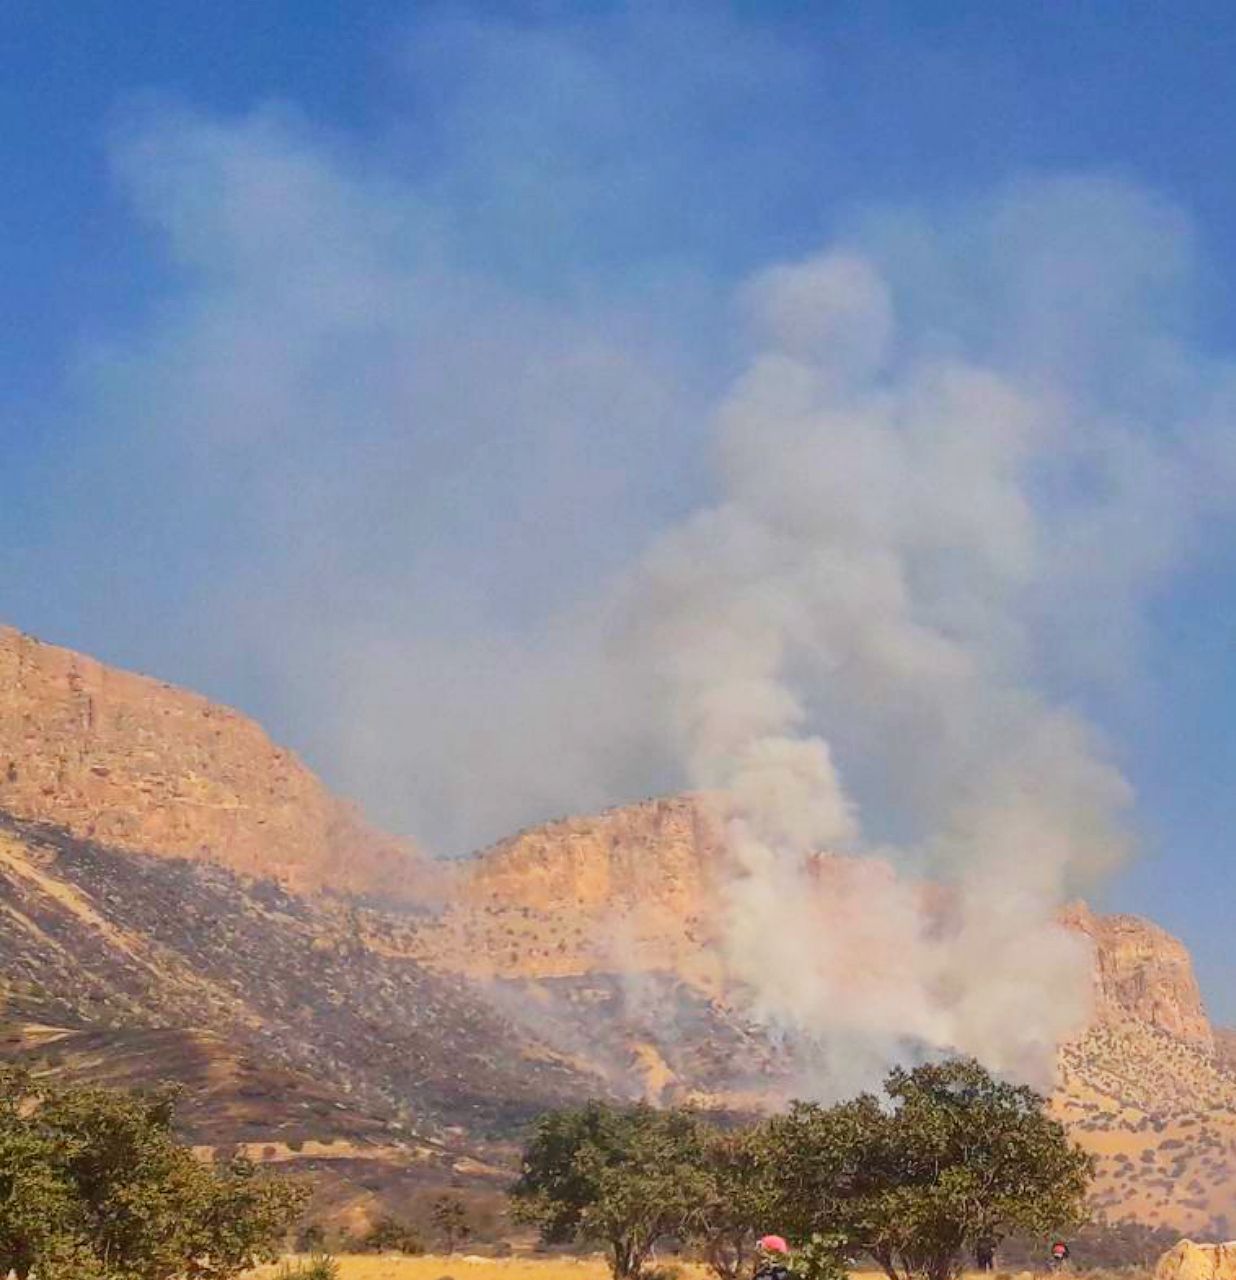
x=639 y=885
x=628 y=889
x=659 y=852
x=1142 y=972
x=138 y=764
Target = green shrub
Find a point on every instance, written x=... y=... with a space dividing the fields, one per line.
x=387 y=1235
x=320 y=1267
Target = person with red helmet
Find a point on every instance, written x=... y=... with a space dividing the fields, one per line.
x=773 y=1259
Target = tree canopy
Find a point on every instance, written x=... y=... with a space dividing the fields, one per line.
x=947 y=1157
x=94 y=1185
x=623 y=1178
x=950 y=1157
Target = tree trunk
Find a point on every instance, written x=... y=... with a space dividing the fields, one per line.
x=620 y=1262
x=886 y=1262
x=941 y=1267
x=720 y=1261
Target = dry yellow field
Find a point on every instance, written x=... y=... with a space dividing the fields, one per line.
x=465 y=1267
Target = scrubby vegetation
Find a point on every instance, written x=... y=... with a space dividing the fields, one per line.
x=1097 y=1246
x=949 y=1157
x=95 y=1186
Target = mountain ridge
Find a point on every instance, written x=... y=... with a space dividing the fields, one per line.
x=268 y=934
x=140 y=764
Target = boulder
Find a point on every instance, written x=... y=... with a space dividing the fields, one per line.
x=1189 y=1261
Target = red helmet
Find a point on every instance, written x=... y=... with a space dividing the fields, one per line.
x=773 y=1244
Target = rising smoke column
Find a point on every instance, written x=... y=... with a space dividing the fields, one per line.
x=867 y=567
x=952 y=470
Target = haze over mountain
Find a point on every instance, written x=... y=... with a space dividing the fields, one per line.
x=397 y=1041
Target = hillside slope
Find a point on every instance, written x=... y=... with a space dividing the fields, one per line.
x=112 y=939
x=179 y=897
x=608 y=921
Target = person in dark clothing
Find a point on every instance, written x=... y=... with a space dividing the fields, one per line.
x=985 y=1254
x=773 y=1259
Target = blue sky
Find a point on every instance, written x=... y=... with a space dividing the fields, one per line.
x=340 y=336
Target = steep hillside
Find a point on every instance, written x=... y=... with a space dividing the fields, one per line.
x=635 y=889
x=362 y=1164
x=137 y=764
x=628 y=889
x=179 y=897
x=117 y=940
x=1160 y=1115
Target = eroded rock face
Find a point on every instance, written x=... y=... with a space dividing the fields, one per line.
x=1141 y=971
x=638 y=887
x=137 y=764
x=1189 y=1261
x=629 y=889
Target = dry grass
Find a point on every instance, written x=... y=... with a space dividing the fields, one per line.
x=459 y=1267
x=465 y=1267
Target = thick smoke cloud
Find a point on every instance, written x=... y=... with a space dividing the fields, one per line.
x=474 y=551
x=856 y=481
x=913 y=528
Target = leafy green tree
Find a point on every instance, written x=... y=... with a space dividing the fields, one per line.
x=37 y=1206
x=98 y=1186
x=245 y=1216
x=954 y=1156
x=621 y=1177
x=738 y=1200
x=450 y=1216
x=823 y=1257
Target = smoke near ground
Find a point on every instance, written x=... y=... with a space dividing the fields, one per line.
x=851 y=543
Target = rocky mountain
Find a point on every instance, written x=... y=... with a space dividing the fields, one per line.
x=138 y=764
x=180 y=897
x=1143 y=973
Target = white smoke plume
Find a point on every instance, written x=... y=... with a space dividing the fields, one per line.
x=889 y=529
x=468 y=557
x=850 y=489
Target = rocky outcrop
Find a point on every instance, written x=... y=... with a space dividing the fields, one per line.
x=636 y=887
x=659 y=852
x=1142 y=972
x=620 y=891
x=137 y=764
x=1189 y=1261
x=628 y=889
